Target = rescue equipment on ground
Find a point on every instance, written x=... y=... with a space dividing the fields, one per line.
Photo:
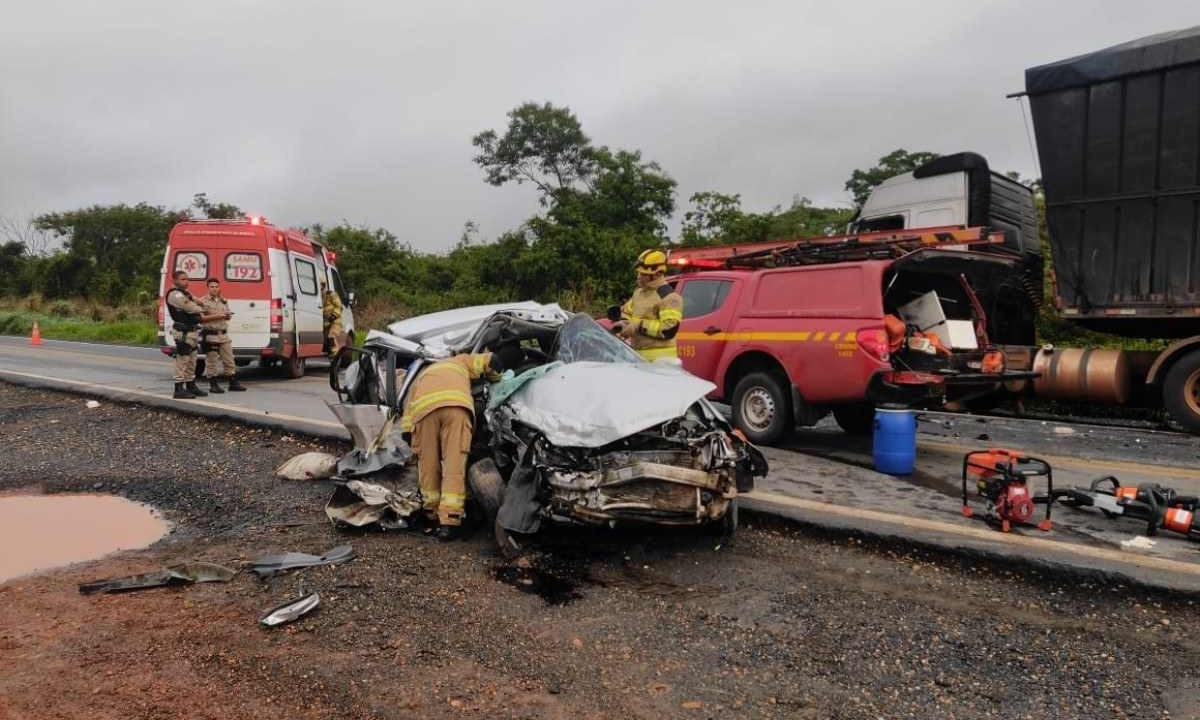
x=1157 y=506
x=1002 y=479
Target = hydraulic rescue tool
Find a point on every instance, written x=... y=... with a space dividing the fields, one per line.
x=1155 y=505
x=1002 y=480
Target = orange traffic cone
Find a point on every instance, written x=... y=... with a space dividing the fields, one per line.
x=35 y=338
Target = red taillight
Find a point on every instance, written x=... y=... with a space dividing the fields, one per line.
x=276 y=315
x=874 y=342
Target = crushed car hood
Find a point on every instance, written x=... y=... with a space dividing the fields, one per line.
x=593 y=404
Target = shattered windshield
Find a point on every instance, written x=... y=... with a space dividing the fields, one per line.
x=582 y=338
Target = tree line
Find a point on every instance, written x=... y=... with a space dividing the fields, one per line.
x=597 y=208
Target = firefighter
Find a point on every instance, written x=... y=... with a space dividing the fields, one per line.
x=216 y=341
x=331 y=311
x=186 y=317
x=440 y=413
x=650 y=319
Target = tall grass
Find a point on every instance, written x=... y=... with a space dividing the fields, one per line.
x=79 y=320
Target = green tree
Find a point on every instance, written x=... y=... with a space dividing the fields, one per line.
x=543 y=145
x=602 y=206
x=896 y=162
x=216 y=211
x=717 y=218
x=113 y=252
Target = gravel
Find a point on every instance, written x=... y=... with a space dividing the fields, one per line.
x=632 y=624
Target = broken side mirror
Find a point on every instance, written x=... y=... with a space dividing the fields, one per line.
x=614 y=313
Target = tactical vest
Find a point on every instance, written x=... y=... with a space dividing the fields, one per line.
x=181 y=316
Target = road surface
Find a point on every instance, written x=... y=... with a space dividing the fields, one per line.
x=823 y=477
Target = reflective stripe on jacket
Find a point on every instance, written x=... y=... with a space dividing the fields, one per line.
x=658 y=310
x=446 y=383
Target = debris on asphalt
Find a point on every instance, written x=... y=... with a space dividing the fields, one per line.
x=92 y=404
x=181 y=574
x=269 y=566
x=378 y=444
x=360 y=503
x=291 y=610
x=308 y=466
x=1139 y=542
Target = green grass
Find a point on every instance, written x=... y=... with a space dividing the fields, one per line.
x=127 y=332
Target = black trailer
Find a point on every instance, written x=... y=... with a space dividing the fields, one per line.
x=1118 y=132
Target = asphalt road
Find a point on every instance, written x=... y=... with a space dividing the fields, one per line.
x=823 y=477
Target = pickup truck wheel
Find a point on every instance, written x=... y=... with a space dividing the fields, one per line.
x=486 y=486
x=762 y=408
x=293 y=367
x=856 y=419
x=1181 y=392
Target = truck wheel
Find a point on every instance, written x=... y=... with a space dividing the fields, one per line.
x=762 y=408
x=1181 y=392
x=486 y=486
x=293 y=367
x=856 y=419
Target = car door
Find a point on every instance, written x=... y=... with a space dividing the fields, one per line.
x=309 y=322
x=708 y=303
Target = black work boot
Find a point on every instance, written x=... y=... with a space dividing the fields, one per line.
x=214 y=387
x=446 y=533
x=195 y=390
x=236 y=386
x=182 y=393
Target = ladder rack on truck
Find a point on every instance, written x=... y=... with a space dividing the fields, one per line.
x=837 y=248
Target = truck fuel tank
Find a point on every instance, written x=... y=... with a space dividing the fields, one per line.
x=1100 y=376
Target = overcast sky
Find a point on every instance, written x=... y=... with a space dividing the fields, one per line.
x=318 y=112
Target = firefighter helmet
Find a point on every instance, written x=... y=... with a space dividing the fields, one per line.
x=652 y=262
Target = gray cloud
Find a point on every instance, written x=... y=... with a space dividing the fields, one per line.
x=310 y=112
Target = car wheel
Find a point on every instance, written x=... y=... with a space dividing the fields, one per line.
x=487 y=487
x=1181 y=391
x=856 y=419
x=762 y=408
x=293 y=367
x=727 y=526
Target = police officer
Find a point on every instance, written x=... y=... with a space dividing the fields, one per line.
x=186 y=317
x=216 y=340
x=650 y=319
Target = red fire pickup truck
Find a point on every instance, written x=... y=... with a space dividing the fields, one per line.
x=789 y=331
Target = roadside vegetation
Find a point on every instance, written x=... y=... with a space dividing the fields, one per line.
x=93 y=273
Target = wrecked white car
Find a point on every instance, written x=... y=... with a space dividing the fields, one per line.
x=582 y=431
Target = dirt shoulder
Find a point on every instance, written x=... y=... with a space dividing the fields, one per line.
x=654 y=625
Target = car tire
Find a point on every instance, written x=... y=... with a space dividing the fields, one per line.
x=1181 y=391
x=727 y=526
x=486 y=486
x=762 y=408
x=856 y=419
x=294 y=366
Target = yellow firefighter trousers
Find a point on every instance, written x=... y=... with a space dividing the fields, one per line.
x=441 y=441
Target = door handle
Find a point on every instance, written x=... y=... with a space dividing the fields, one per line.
x=711 y=330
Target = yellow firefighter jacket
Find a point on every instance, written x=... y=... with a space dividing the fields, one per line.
x=446 y=383
x=657 y=310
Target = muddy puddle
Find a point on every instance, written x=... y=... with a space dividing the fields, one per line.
x=39 y=532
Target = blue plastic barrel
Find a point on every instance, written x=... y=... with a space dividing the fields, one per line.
x=895 y=446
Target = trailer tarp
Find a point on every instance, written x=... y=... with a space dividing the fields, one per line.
x=1148 y=54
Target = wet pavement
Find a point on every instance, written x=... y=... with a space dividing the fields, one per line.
x=39 y=532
